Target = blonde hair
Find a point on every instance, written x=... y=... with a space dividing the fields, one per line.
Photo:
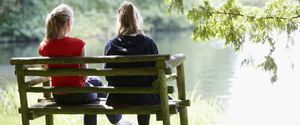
x=129 y=19
x=56 y=20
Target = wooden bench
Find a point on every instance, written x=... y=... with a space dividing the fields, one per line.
x=26 y=67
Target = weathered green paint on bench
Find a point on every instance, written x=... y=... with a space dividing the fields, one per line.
x=26 y=66
x=127 y=90
x=81 y=60
x=90 y=72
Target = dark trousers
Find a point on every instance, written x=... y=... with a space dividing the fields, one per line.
x=85 y=98
x=143 y=119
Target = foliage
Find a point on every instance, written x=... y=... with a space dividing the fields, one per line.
x=237 y=24
x=23 y=20
x=11 y=12
x=176 y=4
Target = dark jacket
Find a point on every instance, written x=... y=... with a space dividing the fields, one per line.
x=131 y=45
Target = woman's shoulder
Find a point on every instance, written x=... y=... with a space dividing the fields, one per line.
x=74 y=39
x=43 y=43
x=146 y=38
x=115 y=39
x=139 y=37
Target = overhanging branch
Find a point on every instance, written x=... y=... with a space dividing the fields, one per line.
x=254 y=17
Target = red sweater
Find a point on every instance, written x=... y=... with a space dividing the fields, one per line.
x=65 y=47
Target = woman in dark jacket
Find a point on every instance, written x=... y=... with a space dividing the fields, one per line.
x=131 y=41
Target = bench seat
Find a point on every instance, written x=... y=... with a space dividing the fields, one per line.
x=49 y=106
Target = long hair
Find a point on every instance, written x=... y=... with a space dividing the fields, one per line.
x=56 y=20
x=129 y=19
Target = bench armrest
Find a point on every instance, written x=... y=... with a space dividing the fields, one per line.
x=175 y=60
x=37 y=81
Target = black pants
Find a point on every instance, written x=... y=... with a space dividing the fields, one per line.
x=143 y=119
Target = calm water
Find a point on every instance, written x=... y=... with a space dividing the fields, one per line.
x=246 y=94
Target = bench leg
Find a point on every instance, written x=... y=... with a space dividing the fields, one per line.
x=164 y=98
x=165 y=113
x=49 y=119
x=22 y=93
x=25 y=119
x=183 y=116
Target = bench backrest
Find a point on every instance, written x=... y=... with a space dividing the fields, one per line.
x=26 y=66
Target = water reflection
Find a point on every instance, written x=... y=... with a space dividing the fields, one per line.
x=9 y=50
x=209 y=67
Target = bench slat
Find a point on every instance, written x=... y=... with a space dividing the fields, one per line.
x=34 y=82
x=175 y=60
x=81 y=60
x=91 y=72
x=128 y=90
x=50 y=107
x=171 y=77
x=97 y=89
x=99 y=110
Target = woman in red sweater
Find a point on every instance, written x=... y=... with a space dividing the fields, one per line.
x=57 y=43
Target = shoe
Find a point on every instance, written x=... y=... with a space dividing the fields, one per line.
x=124 y=121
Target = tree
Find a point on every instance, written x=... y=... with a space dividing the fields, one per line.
x=24 y=20
x=238 y=24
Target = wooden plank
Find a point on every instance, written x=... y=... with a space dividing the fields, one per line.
x=92 y=72
x=97 y=89
x=33 y=115
x=175 y=60
x=181 y=94
x=164 y=98
x=47 y=95
x=97 y=110
x=48 y=108
x=22 y=93
x=171 y=77
x=81 y=60
x=49 y=119
x=37 y=81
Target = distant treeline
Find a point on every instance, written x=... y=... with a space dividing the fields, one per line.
x=23 y=20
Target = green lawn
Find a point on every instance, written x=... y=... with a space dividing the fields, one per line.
x=201 y=112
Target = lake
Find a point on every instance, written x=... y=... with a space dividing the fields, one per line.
x=213 y=72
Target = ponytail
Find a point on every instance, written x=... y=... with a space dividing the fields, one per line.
x=56 y=20
x=129 y=19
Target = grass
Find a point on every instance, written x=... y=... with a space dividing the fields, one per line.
x=201 y=112
x=9 y=102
